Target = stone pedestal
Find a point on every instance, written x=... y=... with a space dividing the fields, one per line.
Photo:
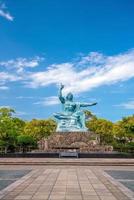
x=73 y=141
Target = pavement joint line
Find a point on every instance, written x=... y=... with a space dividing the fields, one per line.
x=100 y=181
x=53 y=185
x=40 y=184
x=79 y=184
x=114 y=181
x=66 y=184
x=102 y=174
x=14 y=185
x=87 y=177
x=92 y=183
x=17 y=183
x=39 y=173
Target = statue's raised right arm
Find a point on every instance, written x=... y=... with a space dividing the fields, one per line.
x=61 y=98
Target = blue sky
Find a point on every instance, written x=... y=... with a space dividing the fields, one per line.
x=85 y=44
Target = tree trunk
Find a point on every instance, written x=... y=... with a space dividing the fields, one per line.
x=5 y=150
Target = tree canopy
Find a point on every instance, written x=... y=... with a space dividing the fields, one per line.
x=17 y=132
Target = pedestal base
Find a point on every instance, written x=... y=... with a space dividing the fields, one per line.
x=83 y=142
x=73 y=142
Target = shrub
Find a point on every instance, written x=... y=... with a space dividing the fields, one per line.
x=129 y=147
x=26 y=141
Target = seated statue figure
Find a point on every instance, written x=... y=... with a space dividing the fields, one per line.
x=72 y=118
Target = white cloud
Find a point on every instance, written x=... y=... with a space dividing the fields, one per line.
x=82 y=75
x=20 y=63
x=24 y=97
x=127 y=105
x=4 y=88
x=90 y=72
x=5 y=106
x=4 y=13
x=21 y=113
x=4 y=76
x=15 y=69
x=48 y=101
x=7 y=77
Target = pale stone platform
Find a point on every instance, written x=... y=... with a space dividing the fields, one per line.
x=66 y=183
x=68 y=161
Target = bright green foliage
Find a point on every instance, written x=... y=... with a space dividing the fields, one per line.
x=9 y=128
x=127 y=124
x=19 y=124
x=8 y=132
x=88 y=114
x=15 y=131
x=25 y=141
x=6 y=112
x=119 y=134
x=130 y=147
x=102 y=127
x=124 y=129
x=124 y=147
x=40 y=128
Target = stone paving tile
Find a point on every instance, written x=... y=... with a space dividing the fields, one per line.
x=114 y=189
x=107 y=198
x=65 y=183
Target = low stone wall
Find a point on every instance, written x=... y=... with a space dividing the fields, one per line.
x=56 y=155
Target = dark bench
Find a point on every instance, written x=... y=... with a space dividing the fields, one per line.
x=67 y=151
x=68 y=154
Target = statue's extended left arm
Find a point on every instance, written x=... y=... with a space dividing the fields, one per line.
x=87 y=104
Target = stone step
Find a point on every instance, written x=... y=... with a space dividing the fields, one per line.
x=67 y=161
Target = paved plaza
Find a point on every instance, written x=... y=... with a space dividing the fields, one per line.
x=66 y=182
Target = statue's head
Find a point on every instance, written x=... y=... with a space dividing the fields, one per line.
x=69 y=97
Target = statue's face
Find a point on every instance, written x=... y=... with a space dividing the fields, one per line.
x=69 y=97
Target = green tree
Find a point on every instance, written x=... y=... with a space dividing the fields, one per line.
x=10 y=128
x=40 y=128
x=6 y=112
x=102 y=127
x=25 y=141
x=89 y=114
x=8 y=132
x=128 y=124
x=124 y=129
x=19 y=124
